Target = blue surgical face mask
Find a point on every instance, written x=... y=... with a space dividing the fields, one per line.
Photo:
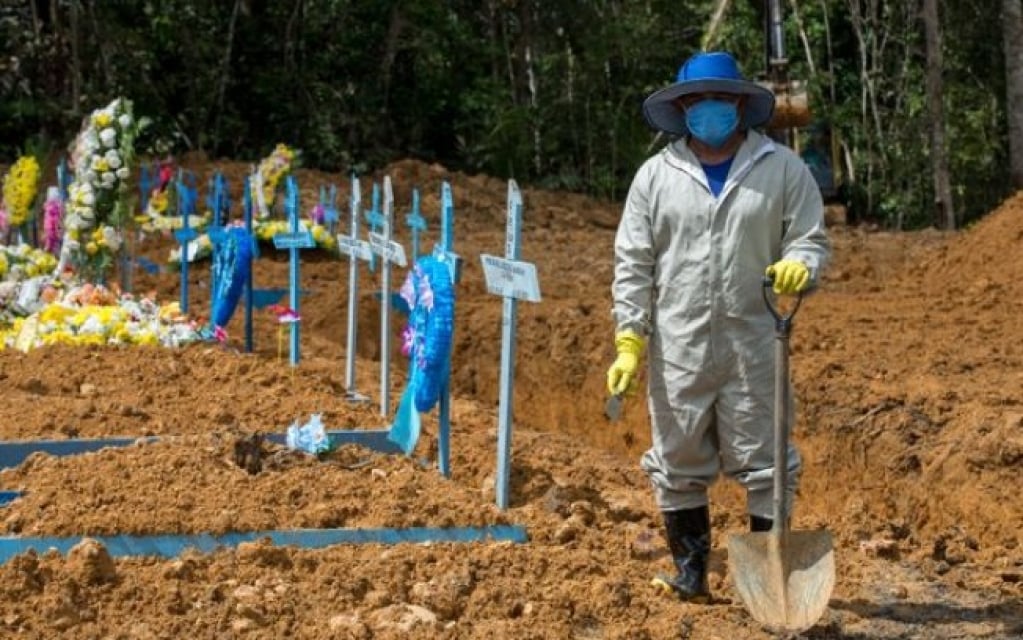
x=712 y=121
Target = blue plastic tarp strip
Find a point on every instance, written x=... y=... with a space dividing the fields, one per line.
x=170 y=546
x=14 y=453
x=7 y=497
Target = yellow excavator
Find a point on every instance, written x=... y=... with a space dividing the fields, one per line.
x=793 y=122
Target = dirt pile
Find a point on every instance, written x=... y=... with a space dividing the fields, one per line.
x=907 y=368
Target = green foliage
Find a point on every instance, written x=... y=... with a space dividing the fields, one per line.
x=547 y=92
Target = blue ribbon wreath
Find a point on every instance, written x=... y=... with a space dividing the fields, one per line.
x=430 y=295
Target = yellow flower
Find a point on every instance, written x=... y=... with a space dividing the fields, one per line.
x=58 y=336
x=101 y=119
x=170 y=310
x=146 y=337
x=121 y=333
x=89 y=339
x=19 y=190
x=91 y=248
x=55 y=313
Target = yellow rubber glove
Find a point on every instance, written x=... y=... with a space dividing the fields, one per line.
x=790 y=276
x=621 y=377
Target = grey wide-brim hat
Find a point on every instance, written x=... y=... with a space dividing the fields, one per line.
x=714 y=72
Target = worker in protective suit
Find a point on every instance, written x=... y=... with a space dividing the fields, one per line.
x=705 y=219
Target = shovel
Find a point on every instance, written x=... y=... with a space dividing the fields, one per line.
x=784 y=577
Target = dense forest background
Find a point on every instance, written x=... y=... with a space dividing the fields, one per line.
x=546 y=91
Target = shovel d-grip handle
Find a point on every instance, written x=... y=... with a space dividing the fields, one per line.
x=783 y=329
x=782 y=321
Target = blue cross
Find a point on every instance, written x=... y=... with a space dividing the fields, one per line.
x=330 y=212
x=376 y=220
x=294 y=241
x=416 y=223
x=184 y=236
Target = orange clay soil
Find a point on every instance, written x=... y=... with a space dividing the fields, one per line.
x=908 y=366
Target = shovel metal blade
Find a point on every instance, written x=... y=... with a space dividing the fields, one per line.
x=613 y=408
x=784 y=578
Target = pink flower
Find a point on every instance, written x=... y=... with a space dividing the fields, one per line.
x=408 y=339
x=52 y=214
x=318 y=214
x=285 y=315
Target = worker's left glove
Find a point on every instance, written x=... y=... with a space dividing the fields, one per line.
x=789 y=276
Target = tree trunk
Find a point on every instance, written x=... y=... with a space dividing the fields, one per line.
x=944 y=211
x=76 y=61
x=1012 y=43
x=225 y=74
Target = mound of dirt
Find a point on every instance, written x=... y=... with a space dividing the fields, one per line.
x=907 y=367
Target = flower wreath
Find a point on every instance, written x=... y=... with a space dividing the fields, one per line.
x=159 y=216
x=426 y=339
x=231 y=262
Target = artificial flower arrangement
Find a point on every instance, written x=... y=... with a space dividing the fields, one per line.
x=269 y=176
x=267 y=229
x=159 y=214
x=158 y=199
x=264 y=231
x=199 y=248
x=53 y=215
x=21 y=185
x=88 y=314
x=97 y=208
x=22 y=261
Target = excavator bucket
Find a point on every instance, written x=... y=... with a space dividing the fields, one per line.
x=791 y=106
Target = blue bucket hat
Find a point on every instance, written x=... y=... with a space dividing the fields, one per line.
x=716 y=72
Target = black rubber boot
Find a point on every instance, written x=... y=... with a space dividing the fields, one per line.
x=756 y=523
x=689 y=541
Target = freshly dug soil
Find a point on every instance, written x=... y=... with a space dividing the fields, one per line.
x=907 y=364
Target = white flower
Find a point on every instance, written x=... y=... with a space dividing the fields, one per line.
x=124 y=120
x=92 y=325
x=88 y=198
x=91 y=176
x=109 y=178
x=108 y=137
x=90 y=141
x=73 y=222
x=113 y=159
x=123 y=173
x=111 y=238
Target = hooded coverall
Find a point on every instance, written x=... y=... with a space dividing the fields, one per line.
x=689 y=271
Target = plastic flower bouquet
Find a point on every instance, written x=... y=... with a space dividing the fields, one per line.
x=269 y=175
x=18 y=262
x=97 y=209
x=95 y=315
x=19 y=191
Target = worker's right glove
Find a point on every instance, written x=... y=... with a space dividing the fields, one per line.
x=621 y=377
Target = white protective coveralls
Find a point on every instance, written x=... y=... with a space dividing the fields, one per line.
x=689 y=272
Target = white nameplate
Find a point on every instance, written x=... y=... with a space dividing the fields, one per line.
x=390 y=251
x=511 y=278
